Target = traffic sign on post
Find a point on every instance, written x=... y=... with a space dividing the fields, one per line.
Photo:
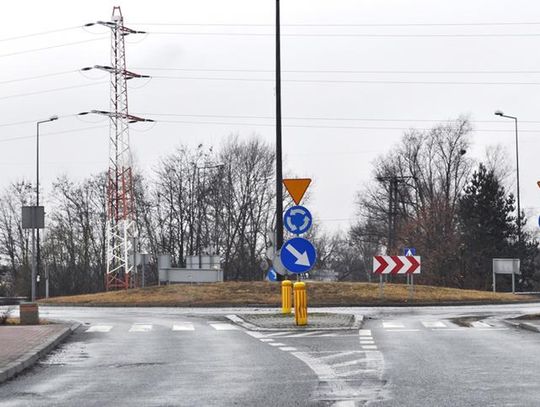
x=298 y=255
x=409 y=251
x=271 y=275
x=396 y=265
x=297 y=188
x=297 y=220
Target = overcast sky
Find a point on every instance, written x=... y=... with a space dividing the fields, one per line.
x=336 y=123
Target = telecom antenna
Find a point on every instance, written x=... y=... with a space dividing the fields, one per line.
x=121 y=226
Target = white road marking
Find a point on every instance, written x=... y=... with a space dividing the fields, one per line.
x=480 y=324
x=278 y=334
x=288 y=349
x=255 y=334
x=303 y=334
x=224 y=327
x=335 y=354
x=183 y=326
x=276 y=344
x=266 y=340
x=393 y=325
x=364 y=332
x=402 y=330
x=370 y=347
x=348 y=363
x=366 y=342
x=140 y=328
x=448 y=329
x=434 y=324
x=99 y=328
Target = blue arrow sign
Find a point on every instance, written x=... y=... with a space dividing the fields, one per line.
x=298 y=255
x=297 y=220
x=271 y=275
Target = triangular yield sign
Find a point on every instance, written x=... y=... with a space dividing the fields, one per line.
x=297 y=188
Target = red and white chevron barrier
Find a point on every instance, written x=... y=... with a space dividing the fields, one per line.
x=396 y=265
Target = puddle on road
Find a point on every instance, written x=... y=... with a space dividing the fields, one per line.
x=67 y=354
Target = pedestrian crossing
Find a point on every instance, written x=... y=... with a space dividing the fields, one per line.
x=417 y=326
x=268 y=336
x=148 y=327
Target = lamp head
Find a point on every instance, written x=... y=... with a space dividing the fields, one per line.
x=53 y=118
x=498 y=113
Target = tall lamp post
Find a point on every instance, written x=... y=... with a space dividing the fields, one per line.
x=38 y=252
x=501 y=114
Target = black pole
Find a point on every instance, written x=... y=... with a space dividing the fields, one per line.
x=518 y=200
x=38 y=252
x=279 y=164
x=390 y=215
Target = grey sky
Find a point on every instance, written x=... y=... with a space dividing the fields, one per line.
x=337 y=154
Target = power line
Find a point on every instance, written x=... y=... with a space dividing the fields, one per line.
x=50 y=90
x=68 y=44
x=338 y=35
x=343 y=71
x=471 y=24
x=19 y=37
x=321 y=118
x=327 y=127
x=345 y=81
x=28 y=78
x=53 y=133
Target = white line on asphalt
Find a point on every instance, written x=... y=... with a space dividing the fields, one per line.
x=224 y=327
x=480 y=324
x=303 y=334
x=140 y=328
x=339 y=354
x=183 y=326
x=393 y=325
x=434 y=324
x=288 y=349
x=366 y=342
x=266 y=340
x=99 y=328
x=448 y=329
x=278 y=333
x=402 y=330
x=364 y=332
x=370 y=347
x=348 y=363
x=255 y=334
x=276 y=344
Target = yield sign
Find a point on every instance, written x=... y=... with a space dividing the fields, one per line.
x=297 y=188
x=396 y=264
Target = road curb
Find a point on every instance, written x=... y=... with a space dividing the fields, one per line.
x=522 y=325
x=357 y=323
x=32 y=356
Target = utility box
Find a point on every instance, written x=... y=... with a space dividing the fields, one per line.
x=29 y=313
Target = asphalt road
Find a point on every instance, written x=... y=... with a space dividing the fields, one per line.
x=423 y=356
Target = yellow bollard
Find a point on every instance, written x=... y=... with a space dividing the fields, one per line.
x=286 y=296
x=300 y=303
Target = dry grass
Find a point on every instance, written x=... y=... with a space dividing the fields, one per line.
x=269 y=294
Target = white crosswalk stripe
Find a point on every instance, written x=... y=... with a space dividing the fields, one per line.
x=99 y=328
x=140 y=328
x=183 y=326
x=224 y=327
x=480 y=324
x=434 y=324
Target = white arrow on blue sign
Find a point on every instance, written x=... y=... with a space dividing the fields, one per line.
x=297 y=220
x=298 y=255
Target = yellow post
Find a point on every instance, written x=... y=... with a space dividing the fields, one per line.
x=300 y=303
x=286 y=296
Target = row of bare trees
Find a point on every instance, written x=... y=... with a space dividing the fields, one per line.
x=196 y=200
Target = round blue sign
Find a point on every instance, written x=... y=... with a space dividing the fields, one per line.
x=298 y=255
x=297 y=220
x=271 y=275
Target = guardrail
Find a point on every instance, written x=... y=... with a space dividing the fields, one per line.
x=12 y=300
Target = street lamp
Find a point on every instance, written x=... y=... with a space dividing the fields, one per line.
x=501 y=114
x=35 y=269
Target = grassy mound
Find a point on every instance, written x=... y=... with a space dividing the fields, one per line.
x=269 y=294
